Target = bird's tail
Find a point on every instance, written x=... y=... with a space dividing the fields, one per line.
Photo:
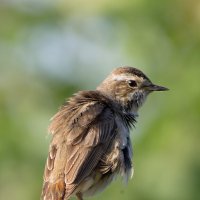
x=53 y=191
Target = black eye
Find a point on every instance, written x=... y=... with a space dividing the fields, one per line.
x=132 y=83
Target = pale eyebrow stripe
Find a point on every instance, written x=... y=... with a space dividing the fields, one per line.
x=120 y=77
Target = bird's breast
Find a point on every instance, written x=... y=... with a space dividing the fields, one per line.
x=125 y=149
x=122 y=133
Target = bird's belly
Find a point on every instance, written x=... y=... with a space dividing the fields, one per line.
x=114 y=162
x=100 y=182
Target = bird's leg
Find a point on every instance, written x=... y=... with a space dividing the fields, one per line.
x=79 y=196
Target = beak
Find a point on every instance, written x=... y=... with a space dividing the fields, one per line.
x=153 y=87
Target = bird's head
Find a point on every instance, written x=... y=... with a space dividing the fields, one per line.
x=129 y=87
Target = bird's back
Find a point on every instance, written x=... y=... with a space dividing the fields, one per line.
x=82 y=131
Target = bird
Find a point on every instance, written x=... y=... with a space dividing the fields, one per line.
x=91 y=142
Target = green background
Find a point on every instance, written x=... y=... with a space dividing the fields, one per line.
x=52 y=49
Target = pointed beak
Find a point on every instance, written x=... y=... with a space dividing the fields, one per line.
x=153 y=87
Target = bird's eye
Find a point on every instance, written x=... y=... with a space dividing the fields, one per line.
x=132 y=83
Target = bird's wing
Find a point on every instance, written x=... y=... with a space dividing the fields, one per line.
x=82 y=131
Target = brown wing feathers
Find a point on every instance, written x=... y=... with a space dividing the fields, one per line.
x=82 y=130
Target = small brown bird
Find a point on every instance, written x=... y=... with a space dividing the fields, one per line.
x=90 y=136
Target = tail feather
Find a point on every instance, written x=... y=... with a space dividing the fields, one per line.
x=53 y=191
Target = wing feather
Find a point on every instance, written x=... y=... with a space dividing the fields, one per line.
x=82 y=131
x=90 y=149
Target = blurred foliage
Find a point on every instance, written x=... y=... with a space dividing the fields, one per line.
x=51 y=49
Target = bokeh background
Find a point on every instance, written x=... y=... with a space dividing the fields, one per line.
x=51 y=49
